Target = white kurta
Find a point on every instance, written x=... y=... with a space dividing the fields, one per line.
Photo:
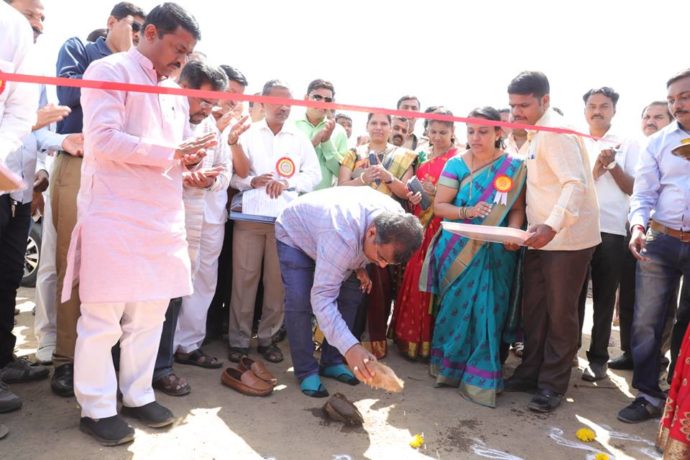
x=129 y=242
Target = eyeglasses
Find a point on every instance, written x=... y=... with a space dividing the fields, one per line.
x=137 y=26
x=206 y=104
x=318 y=98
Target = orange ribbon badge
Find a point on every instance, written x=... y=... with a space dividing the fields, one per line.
x=503 y=184
x=285 y=167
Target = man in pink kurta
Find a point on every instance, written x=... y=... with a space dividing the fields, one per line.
x=128 y=248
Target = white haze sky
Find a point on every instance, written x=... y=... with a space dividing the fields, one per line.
x=455 y=53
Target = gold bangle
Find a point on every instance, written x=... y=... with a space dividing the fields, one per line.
x=361 y=178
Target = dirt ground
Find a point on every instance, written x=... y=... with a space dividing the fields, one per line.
x=218 y=423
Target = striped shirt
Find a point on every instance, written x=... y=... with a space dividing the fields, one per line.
x=329 y=226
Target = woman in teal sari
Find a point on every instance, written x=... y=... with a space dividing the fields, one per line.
x=473 y=279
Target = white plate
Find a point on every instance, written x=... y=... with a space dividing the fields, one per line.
x=487 y=233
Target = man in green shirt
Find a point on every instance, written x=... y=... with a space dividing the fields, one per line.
x=328 y=137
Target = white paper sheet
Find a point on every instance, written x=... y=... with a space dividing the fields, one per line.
x=487 y=233
x=256 y=202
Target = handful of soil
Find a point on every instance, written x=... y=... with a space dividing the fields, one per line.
x=384 y=378
x=339 y=409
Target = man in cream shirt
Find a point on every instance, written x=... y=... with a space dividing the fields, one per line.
x=613 y=158
x=563 y=217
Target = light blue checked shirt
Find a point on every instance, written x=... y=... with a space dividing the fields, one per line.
x=329 y=226
x=662 y=182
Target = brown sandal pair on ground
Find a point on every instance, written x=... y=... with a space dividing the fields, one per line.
x=251 y=378
x=174 y=385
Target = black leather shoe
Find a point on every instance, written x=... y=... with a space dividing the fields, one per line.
x=109 y=431
x=152 y=414
x=62 y=382
x=545 y=401
x=595 y=372
x=639 y=411
x=515 y=384
x=623 y=363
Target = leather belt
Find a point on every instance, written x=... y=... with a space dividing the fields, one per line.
x=678 y=234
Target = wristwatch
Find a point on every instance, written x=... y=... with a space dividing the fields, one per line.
x=611 y=165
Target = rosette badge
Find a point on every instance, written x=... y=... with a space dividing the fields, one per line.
x=3 y=83
x=285 y=167
x=683 y=149
x=503 y=184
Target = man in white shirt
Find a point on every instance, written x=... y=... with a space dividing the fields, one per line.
x=613 y=157
x=18 y=104
x=185 y=319
x=655 y=116
x=282 y=161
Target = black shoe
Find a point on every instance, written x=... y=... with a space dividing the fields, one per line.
x=639 y=411
x=20 y=370
x=280 y=335
x=8 y=400
x=62 y=382
x=623 y=363
x=110 y=431
x=595 y=372
x=152 y=414
x=545 y=401
x=515 y=384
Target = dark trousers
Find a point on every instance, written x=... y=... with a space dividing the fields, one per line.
x=605 y=273
x=14 y=232
x=655 y=285
x=551 y=289
x=166 y=353
x=626 y=303
x=217 y=318
x=297 y=270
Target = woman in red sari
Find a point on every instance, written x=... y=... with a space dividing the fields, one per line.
x=412 y=321
x=674 y=430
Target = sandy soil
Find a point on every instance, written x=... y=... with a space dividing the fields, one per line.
x=218 y=423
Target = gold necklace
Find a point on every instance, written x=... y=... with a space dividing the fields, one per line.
x=493 y=157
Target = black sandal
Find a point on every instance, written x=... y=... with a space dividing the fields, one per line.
x=198 y=358
x=271 y=353
x=236 y=354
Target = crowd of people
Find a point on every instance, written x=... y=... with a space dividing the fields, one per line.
x=140 y=264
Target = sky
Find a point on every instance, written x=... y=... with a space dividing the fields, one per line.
x=459 y=54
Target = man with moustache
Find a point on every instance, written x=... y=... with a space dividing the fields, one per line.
x=124 y=25
x=614 y=158
x=654 y=117
x=128 y=248
x=185 y=319
x=409 y=102
x=660 y=226
x=282 y=162
x=563 y=218
x=327 y=136
x=400 y=129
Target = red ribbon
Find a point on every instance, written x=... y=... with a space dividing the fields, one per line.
x=198 y=93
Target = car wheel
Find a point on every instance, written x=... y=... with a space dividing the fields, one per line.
x=32 y=255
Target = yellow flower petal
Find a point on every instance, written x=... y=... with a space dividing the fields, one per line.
x=417 y=441
x=585 y=434
x=601 y=456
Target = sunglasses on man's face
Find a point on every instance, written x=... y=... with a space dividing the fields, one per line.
x=319 y=98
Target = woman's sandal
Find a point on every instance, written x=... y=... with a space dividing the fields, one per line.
x=312 y=387
x=236 y=354
x=198 y=358
x=172 y=385
x=271 y=353
x=340 y=372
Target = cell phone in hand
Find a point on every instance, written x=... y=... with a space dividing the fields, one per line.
x=374 y=160
x=414 y=186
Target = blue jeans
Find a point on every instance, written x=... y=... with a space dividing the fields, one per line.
x=297 y=271
x=655 y=283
